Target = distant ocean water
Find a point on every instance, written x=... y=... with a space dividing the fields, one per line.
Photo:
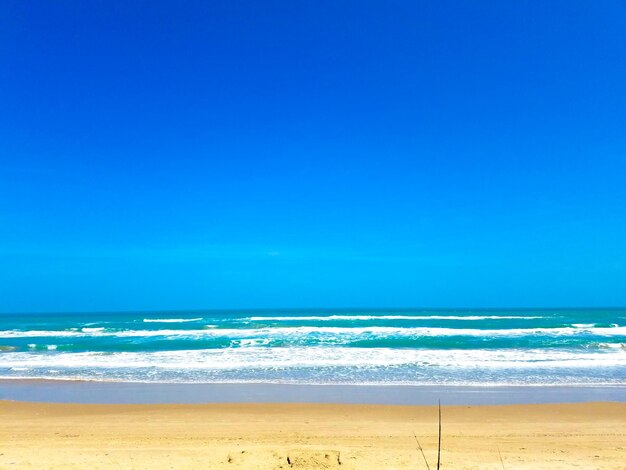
x=419 y=347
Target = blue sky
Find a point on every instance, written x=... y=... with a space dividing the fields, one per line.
x=241 y=154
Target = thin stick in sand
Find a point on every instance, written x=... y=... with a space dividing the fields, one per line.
x=422 y=451
x=439 y=443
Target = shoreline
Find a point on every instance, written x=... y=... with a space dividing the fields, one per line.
x=310 y=436
x=95 y=392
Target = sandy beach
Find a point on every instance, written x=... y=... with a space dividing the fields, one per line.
x=283 y=436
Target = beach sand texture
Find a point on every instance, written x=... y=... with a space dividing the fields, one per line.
x=310 y=436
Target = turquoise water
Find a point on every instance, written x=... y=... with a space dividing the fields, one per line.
x=423 y=347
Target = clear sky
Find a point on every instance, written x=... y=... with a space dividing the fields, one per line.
x=225 y=154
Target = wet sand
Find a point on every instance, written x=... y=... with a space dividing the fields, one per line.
x=96 y=392
x=310 y=436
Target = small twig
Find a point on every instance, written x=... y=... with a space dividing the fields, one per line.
x=422 y=451
x=439 y=443
x=501 y=461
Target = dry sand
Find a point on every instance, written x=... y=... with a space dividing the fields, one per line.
x=284 y=436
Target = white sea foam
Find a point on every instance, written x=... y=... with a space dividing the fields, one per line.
x=613 y=345
x=253 y=342
x=392 y=317
x=345 y=332
x=41 y=333
x=171 y=320
x=315 y=357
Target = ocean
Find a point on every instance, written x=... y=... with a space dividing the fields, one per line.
x=358 y=346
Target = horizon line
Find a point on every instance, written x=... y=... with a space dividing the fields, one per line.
x=261 y=309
